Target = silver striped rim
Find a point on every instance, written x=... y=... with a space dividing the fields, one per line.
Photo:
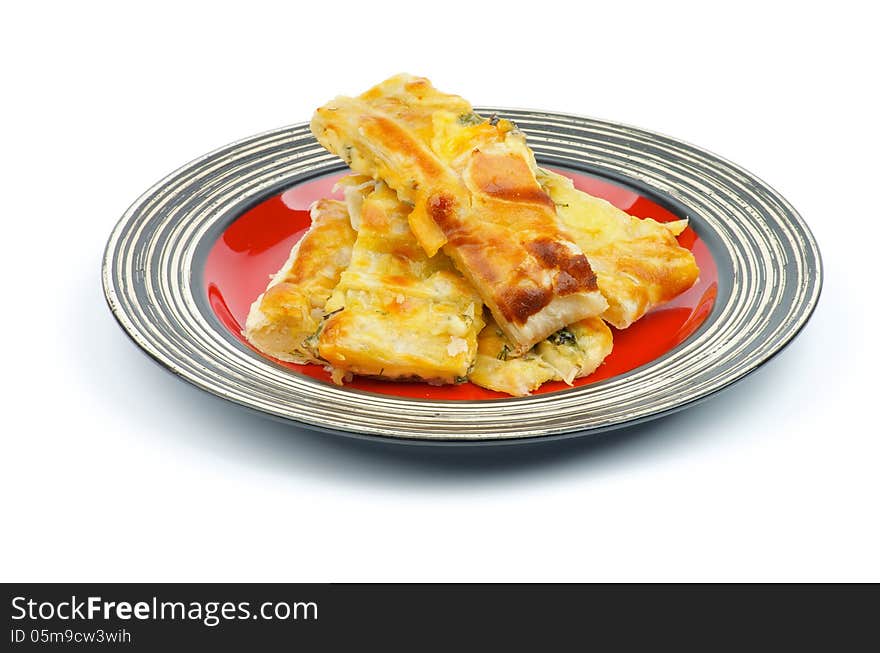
x=769 y=282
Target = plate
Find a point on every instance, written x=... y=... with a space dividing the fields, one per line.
x=183 y=264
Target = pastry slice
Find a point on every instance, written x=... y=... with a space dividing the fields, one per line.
x=570 y=353
x=638 y=262
x=397 y=313
x=283 y=320
x=471 y=183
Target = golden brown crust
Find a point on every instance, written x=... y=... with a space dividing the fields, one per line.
x=507 y=177
x=639 y=263
x=399 y=140
x=330 y=224
x=283 y=318
x=473 y=187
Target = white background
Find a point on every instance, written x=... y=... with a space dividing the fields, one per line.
x=113 y=470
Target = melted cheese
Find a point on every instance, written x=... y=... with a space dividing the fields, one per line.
x=472 y=184
x=577 y=350
x=496 y=367
x=570 y=353
x=282 y=320
x=396 y=312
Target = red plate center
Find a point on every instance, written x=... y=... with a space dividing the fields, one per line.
x=257 y=244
